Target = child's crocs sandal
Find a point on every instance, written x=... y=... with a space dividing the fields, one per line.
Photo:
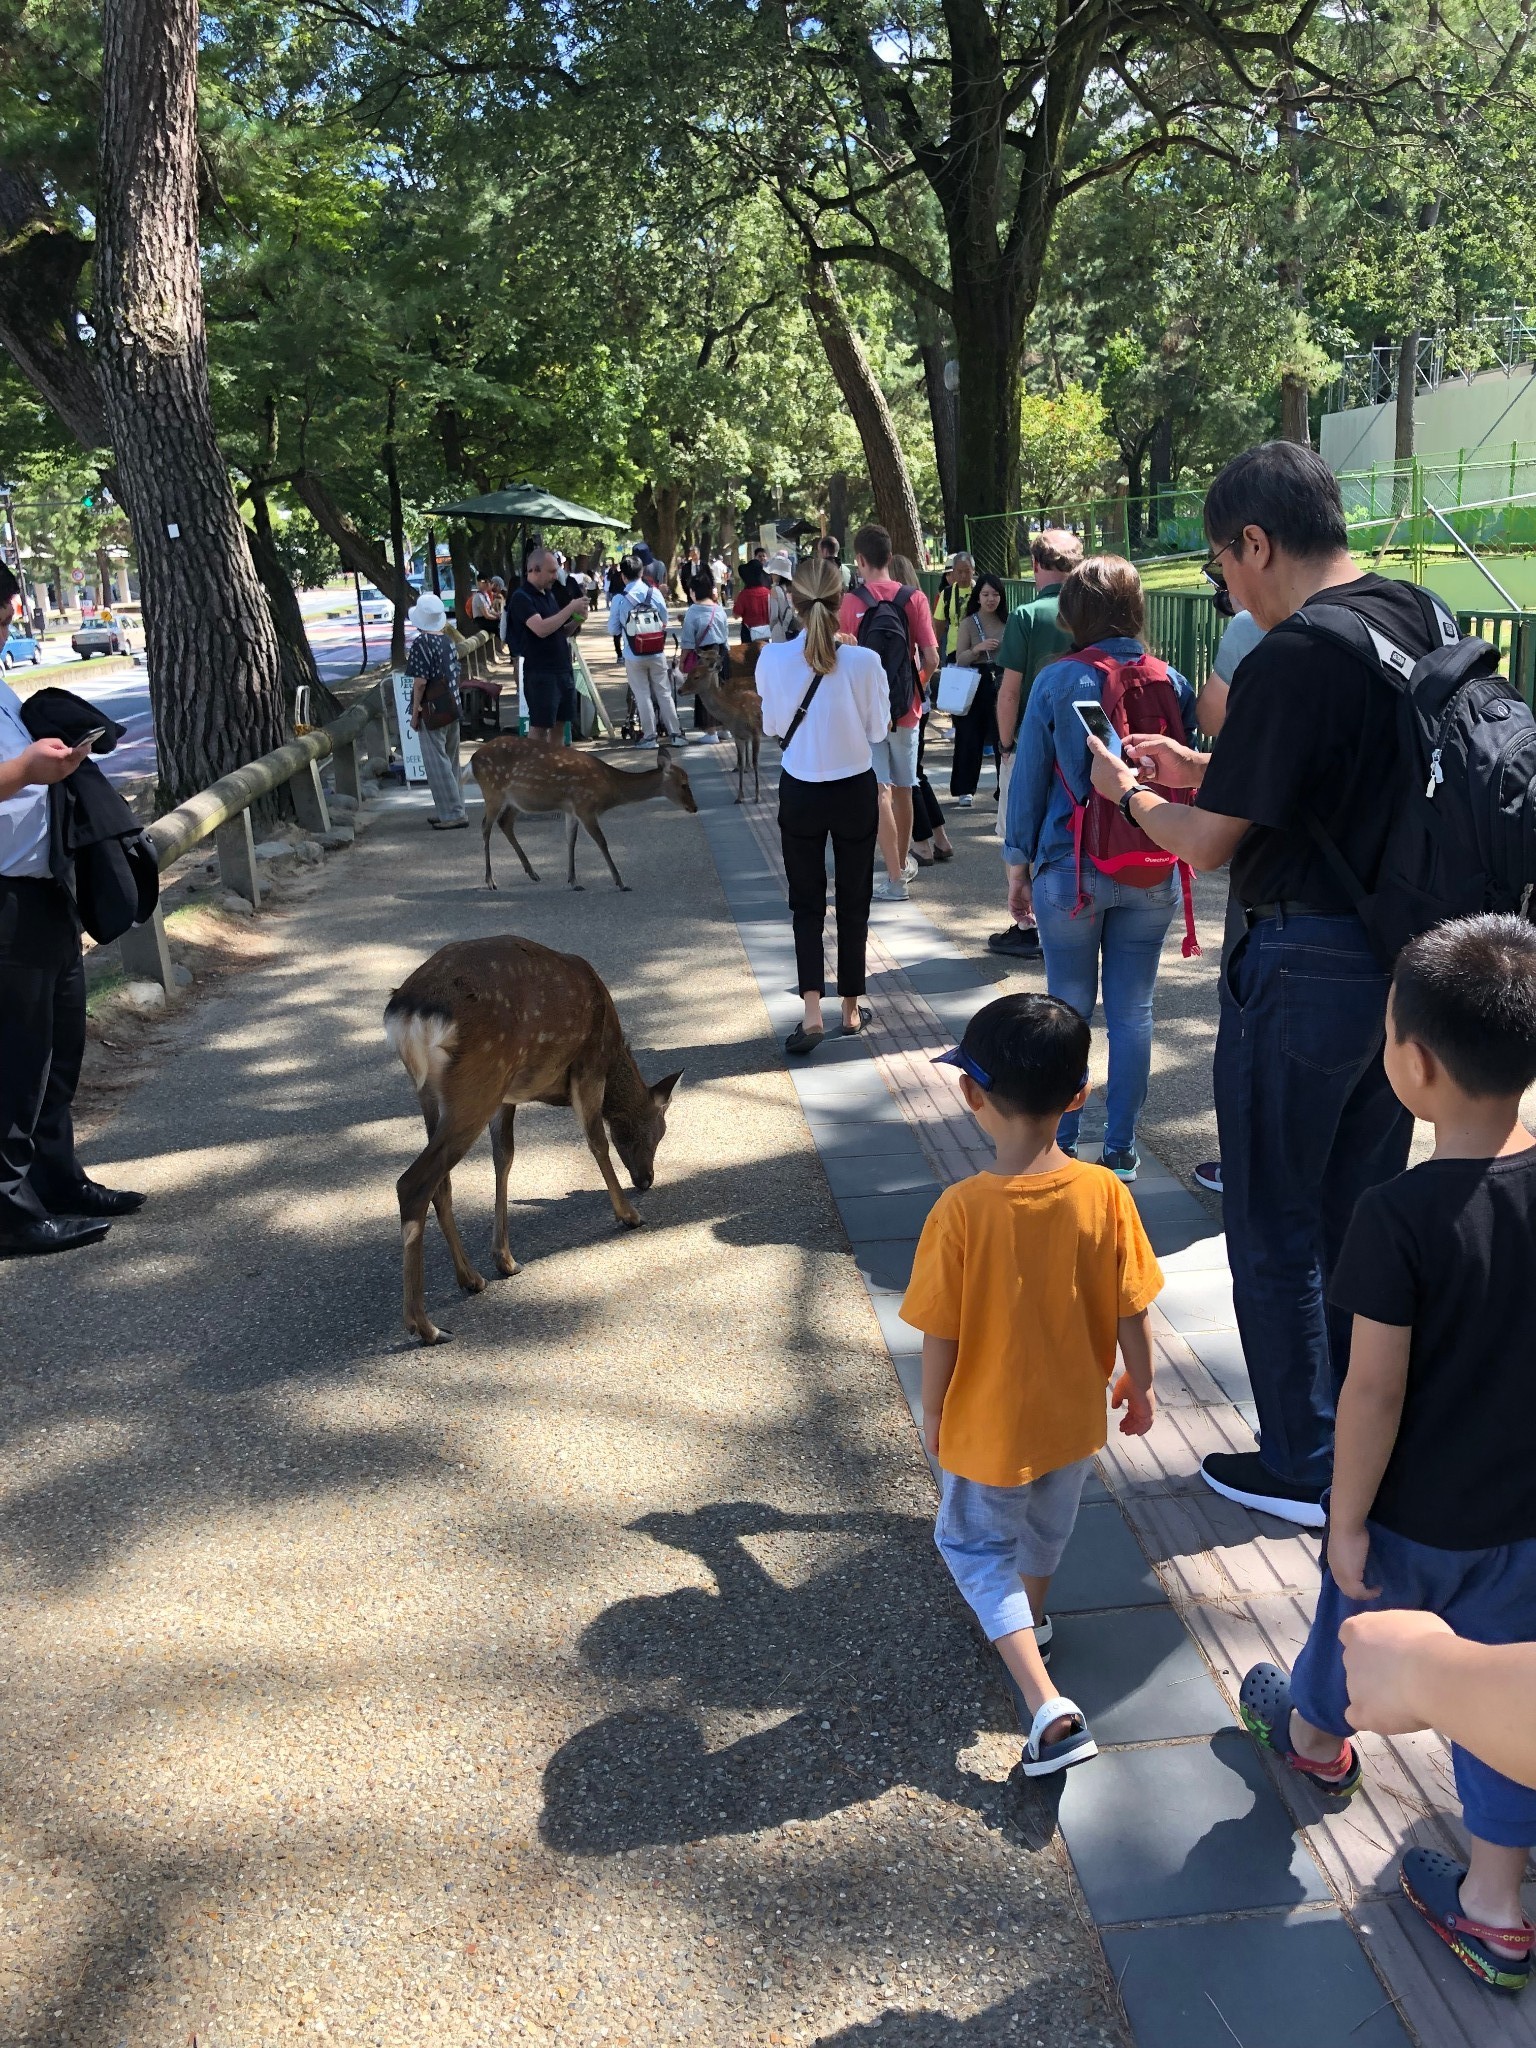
x=1041 y=1758
x=1043 y=1631
x=1432 y=1884
x=1265 y=1705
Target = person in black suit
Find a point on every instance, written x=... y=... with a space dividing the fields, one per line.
x=47 y=1202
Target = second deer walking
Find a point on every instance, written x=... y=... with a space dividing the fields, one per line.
x=518 y=776
x=734 y=704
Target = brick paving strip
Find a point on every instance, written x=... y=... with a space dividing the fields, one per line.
x=1231 y=1905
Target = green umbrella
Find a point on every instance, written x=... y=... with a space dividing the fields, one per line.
x=527 y=505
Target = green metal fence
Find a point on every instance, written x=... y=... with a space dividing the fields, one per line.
x=1184 y=628
x=1488 y=500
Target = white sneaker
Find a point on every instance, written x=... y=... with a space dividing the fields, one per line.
x=912 y=869
x=962 y=803
x=887 y=891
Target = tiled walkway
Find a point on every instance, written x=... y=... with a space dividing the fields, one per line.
x=1229 y=1913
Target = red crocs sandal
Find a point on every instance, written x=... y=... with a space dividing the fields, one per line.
x=1265 y=1705
x=1432 y=1885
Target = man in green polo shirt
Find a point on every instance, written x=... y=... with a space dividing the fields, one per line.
x=1031 y=638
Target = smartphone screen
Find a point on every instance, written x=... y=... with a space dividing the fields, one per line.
x=90 y=738
x=1095 y=720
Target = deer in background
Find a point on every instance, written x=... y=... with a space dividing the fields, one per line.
x=734 y=704
x=483 y=1026
x=522 y=776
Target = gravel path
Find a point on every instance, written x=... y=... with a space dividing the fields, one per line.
x=592 y=1678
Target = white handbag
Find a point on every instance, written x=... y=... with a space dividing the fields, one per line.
x=957 y=689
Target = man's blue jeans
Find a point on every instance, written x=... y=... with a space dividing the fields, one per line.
x=1125 y=928
x=1307 y=1123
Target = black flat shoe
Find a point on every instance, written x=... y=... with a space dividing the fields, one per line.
x=943 y=853
x=802 y=1041
x=866 y=1016
x=449 y=825
x=48 y=1234
x=93 y=1200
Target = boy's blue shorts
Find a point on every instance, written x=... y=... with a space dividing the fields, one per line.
x=1488 y=1596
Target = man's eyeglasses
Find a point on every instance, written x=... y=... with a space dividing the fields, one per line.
x=1209 y=569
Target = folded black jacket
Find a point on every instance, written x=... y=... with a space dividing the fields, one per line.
x=96 y=847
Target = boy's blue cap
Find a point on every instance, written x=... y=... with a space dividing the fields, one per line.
x=957 y=1056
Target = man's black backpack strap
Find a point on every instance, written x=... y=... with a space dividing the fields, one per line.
x=883 y=629
x=1463 y=833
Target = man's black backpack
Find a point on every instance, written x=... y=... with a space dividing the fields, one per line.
x=883 y=626
x=1463 y=839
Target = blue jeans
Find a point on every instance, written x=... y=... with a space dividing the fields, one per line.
x=1488 y=1596
x=1307 y=1122
x=1125 y=928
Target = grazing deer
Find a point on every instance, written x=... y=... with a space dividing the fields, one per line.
x=525 y=776
x=736 y=706
x=482 y=1026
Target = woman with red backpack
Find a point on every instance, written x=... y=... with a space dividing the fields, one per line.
x=1103 y=894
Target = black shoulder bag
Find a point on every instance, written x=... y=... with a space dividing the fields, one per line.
x=799 y=718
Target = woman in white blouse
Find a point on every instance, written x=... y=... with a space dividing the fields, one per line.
x=828 y=704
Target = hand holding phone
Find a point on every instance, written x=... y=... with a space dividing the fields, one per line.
x=88 y=740
x=1095 y=722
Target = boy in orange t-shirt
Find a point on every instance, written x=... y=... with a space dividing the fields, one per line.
x=1026 y=1279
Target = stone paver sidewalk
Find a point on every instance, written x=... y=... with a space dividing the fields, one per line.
x=1233 y=1905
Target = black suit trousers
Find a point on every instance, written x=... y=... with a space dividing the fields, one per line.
x=42 y=1043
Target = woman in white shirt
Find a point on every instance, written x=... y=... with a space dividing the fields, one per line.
x=829 y=704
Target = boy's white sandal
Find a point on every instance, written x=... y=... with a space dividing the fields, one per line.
x=1041 y=1758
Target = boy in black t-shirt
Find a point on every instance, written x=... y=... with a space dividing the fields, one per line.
x=1434 y=1475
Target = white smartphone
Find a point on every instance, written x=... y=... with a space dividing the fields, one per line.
x=1095 y=720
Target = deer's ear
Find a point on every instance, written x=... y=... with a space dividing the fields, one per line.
x=661 y=1091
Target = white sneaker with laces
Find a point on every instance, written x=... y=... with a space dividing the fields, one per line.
x=887 y=891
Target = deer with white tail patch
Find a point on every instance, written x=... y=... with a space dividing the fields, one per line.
x=483 y=1026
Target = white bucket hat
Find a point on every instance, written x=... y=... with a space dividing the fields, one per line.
x=780 y=564
x=428 y=614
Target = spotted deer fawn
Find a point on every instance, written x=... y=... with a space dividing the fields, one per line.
x=518 y=776
x=734 y=704
x=481 y=1027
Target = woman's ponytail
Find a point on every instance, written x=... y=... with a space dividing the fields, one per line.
x=816 y=591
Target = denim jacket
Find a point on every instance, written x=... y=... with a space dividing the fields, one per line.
x=1038 y=830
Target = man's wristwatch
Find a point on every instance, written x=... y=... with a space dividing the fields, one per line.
x=1125 y=804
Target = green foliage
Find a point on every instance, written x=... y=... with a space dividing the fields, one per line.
x=307 y=557
x=1064 y=444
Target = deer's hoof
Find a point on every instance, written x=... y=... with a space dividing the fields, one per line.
x=506 y=1265
x=429 y=1333
x=629 y=1217
x=472 y=1282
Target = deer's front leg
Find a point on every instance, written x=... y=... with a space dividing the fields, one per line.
x=587 y=1100
x=596 y=831
x=504 y=819
x=501 y=1153
x=570 y=849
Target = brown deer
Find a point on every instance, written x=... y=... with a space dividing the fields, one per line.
x=482 y=1026
x=527 y=777
x=735 y=705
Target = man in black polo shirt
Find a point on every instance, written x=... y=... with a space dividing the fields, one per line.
x=536 y=630
x=1306 y=1118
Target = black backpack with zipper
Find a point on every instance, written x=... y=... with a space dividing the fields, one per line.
x=1463 y=839
x=883 y=627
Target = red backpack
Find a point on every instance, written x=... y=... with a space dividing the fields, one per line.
x=1138 y=696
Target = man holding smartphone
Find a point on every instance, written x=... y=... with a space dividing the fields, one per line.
x=46 y=1202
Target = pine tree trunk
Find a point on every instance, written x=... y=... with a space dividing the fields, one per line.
x=405 y=596
x=1295 y=410
x=837 y=507
x=657 y=509
x=890 y=484
x=989 y=350
x=295 y=655
x=212 y=651
x=1403 y=422
x=942 y=414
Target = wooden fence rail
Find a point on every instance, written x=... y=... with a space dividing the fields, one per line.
x=224 y=809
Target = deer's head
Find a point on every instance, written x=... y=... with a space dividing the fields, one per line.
x=675 y=786
x=636 y=1132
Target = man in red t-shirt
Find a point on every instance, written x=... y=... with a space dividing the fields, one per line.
x=895 y=757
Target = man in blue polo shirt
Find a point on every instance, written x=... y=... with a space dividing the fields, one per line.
x=536 y=631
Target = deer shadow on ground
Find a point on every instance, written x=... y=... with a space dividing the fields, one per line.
x=866 y=1664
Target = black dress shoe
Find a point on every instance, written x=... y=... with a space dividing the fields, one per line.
x=49 y=1234
x=92 y=1199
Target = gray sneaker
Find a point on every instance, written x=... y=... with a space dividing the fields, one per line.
x=887 y=891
